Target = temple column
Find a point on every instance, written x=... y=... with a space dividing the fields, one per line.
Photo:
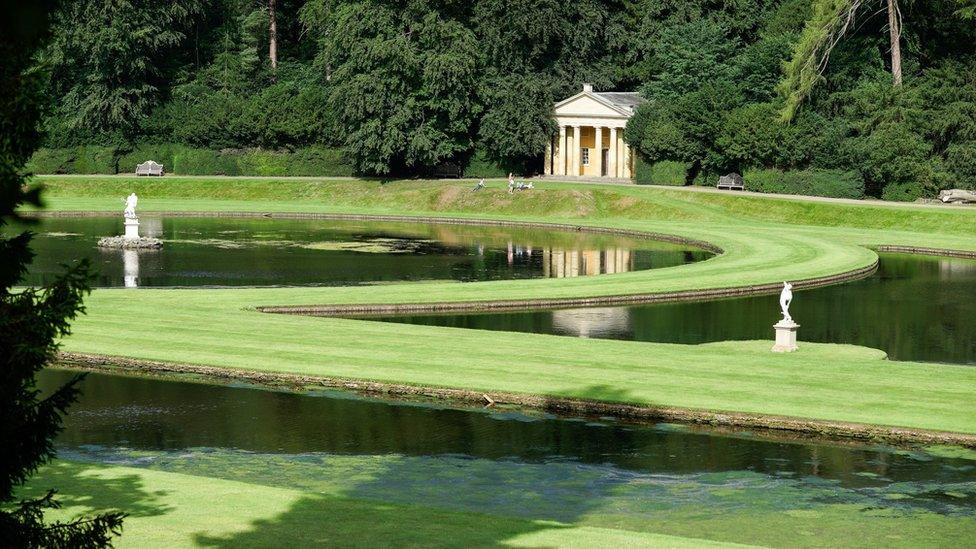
x=547 y=160
x=612 y=156
x=598 y=149
x=628 y=161
x=620 y=153
x=577 y=143
x=561 y=153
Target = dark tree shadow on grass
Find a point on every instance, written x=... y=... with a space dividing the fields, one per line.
x=603 y=393
x=80 y=485
x=395 y=507
x=324 y=521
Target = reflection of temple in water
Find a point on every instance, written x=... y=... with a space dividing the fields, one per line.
x=563 y=263
x=595 y=321
x=950 y=268
x=560 y=263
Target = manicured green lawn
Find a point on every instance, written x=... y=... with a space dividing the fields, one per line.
x=765 y=240
x=175 y=509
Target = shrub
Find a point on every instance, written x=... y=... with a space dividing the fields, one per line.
x=95 y=160
x=162 y=153
x=658 y=173
x=203 y=162
x=51 y=161
x=672 y=173
x=666 y=172
x=643 y=171
x=892 y=154
x=320 y=161
x=961 y=164
x=480 y=166
x=312 y=161
x=829 y=183
x=908 y=191
x=85 y=160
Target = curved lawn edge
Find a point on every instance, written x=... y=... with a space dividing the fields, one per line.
x=502 y=304
x=819 y=428
x=516 y=304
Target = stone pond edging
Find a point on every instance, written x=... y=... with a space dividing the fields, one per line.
x=739 y=420
x=918 y=250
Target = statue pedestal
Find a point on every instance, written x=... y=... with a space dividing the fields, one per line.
x=785 y=336
x=132 y=227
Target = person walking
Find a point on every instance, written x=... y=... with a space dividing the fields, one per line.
x=511 y=183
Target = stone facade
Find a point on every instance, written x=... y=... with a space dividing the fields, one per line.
x=590 y=140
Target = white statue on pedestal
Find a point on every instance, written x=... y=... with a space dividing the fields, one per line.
x=785 y=298
x=786 y=328
x=130 y=239
x=131 y=220
x=130 y=206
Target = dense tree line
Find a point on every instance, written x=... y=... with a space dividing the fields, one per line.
x=879 y=89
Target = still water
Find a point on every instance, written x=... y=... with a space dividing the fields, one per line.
x=288 y=252
x=914 y=308
x=517 y=463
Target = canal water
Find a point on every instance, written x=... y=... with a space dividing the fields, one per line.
x=914 y=307
x=289 y=252
x=510 y=462
x=688 y=481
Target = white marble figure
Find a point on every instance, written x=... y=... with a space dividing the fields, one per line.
x=785 y=298
x=130 y=206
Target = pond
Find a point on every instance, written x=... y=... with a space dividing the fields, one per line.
x=914 y=307
x=292 y=252
x=513 y=462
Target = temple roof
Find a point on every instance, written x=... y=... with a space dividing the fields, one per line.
x=625 y=100
x=616 y=103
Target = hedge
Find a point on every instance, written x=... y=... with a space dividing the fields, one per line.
x=829 y=183
x=660 y=173
x=182 y=160
x=317 y=161
x=84 y=160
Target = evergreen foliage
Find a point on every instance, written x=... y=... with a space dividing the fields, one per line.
x=32 y=320
x=402 y=86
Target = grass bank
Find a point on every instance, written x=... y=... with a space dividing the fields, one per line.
x=765 y=241
x=177 y=510
x=223 y=498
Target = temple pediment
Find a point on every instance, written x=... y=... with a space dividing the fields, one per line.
x=589 y=105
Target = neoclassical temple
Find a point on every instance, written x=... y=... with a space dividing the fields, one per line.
x=584 y=120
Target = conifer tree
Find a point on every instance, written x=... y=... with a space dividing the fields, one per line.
x=31 y=320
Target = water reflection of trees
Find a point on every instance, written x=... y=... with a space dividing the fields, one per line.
x=153 y=414
x=914 y=308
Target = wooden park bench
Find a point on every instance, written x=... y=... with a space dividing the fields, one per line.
x=732 y=182
x=150 y=167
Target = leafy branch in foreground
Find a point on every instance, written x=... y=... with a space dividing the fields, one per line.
x=32 y=320
x=831 y=21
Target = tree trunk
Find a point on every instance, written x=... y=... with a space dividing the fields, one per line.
x=894 y=31
x=691 y=173
x=273 y=35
